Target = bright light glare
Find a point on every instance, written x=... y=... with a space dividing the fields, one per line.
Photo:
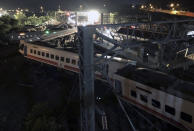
x=84 y=24
x=108 y=33
x=72 y=16
x=71 y=20
x=93 y=16
x=22 y=33
x=133 y=27
x=172 y=5
x=114 y=58
x=190 y=33
x=117 y=58
x=174 y=12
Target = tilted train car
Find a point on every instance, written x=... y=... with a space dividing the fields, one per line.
x=65 y=59
x=164 y=96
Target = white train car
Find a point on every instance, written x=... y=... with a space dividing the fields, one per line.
x=41 y=52
x=159 y=94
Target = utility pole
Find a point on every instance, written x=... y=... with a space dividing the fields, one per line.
x=87 y=103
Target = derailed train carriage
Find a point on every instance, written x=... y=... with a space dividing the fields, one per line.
x=67 y=59
x=164 y=96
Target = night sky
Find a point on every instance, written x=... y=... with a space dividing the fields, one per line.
x=54 y=4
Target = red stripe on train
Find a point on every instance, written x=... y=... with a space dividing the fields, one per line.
x=43 y=60
x=100 y=76
x=72 y=68
x=157 y=113
x=56 y=64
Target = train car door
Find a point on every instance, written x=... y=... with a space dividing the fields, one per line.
x=25 y=50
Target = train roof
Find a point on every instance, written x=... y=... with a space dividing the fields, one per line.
x=75 y=50
x=48 y=45
x=42 y=43
x=160 y=81
x=70 y=49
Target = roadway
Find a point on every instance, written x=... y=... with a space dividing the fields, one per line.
x=174 y=12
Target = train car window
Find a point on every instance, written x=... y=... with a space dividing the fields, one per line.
x=43 y=54
x=52 y=56
x=169 y=110
x=56 y=57
x=62 y=59
x=186 y=117
x=34 y=51
x=73 y=62
x=118 y=86
x=144 y=98
x=133 y=93
x=31 y=51
x=107 y=68
x=38 y=52
x=143 y=90
x=67 y=60
x=47 y=55
x=155 y=103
